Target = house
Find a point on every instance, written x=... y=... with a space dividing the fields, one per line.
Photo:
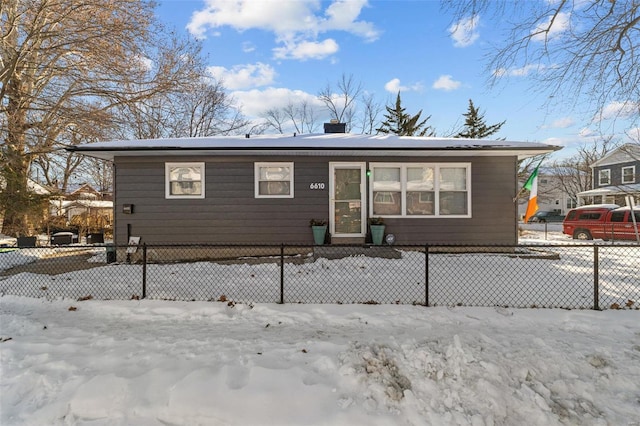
x=87 y=192
x=84 y=213
x=551 y=195
x=615 y=176
x=266 y=189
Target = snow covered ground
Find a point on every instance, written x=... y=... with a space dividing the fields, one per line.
x=198 y=363
x=560 y=275
x=152 y=362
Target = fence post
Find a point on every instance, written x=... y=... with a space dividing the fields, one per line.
x=426 y=275
x=144 y=270
x=282 y=273
x=596 y=279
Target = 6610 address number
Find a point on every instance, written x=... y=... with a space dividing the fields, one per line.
x=317 y=186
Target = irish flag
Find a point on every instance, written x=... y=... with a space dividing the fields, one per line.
x=532 y=186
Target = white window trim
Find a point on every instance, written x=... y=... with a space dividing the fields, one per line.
x=167 y=181
x=436 y=190
x=256 y=176
x=633 y=174
x=601 y=174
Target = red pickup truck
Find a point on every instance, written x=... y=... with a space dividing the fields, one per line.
x=605 y=221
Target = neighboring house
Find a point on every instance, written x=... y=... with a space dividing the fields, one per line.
x=266 y=189
x=86 y=192
x=38 y=188
x=615 y=176
x=84 y=208
x=551 y=196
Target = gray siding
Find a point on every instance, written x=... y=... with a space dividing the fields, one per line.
x=229 y=213
x=616 y=173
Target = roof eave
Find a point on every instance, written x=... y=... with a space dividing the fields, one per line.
x=109 y=154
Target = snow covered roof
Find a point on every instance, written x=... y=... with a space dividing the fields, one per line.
x=37 y=188
x=83 y=203
x=624 y=154
x=325 y=144
x=612 y=190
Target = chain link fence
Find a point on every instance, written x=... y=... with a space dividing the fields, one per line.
x=572 y=276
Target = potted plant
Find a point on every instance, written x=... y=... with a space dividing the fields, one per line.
x=319 y=228
x=377 y=230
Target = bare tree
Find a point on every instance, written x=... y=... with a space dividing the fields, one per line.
x=370 y=114
x=275 y=118
x=64 y=68
x=206 y=110
x=574 y=174
x=341 y=103
x=577 y=49
x=300 y=116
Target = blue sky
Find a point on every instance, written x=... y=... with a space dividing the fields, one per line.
x=272 y=52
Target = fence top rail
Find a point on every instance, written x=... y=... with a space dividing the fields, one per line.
x=338 y=246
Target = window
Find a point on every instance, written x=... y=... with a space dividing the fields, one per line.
x=617 y=216
x=604 y=177
x=421 y=190
x=387 y=191
x=571 y=203
x=629 y=174
x=274 y=180
x=184 y=180
x=589 y=216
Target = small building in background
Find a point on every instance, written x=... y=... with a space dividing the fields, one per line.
x=615 y=176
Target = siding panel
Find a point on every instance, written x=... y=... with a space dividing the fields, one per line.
x=229 y=213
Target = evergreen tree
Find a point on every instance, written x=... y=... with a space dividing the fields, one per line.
x=398 y=122
x=475 y=126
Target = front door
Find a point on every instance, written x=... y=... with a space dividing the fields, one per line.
x=347 y=215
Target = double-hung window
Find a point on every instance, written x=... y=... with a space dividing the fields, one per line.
x=604 y=177
x=273 y=180
x=629 y=174
x=421 y=190
x=184 y=180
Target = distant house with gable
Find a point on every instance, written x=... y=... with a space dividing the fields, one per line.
x=615 y=176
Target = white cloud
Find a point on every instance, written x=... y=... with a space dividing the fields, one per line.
x=248 y=47
x=586 y=132
x=633 y=134
x=464 y=32
x=561 y=123
x=394 y=86
x=290 y=20
x=618 y=109
x=548 y=30
x=244 y=76
x=343 y=14
x=306 y=50
x=256 y=102
x=445 y=82
x=145 y=63
x=520 y=72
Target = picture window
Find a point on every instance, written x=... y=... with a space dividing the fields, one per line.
x=421 y=190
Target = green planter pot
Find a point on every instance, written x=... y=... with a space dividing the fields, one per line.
x=377 y=233
x=319 y=233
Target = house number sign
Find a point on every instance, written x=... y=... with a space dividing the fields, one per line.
x=317 y=186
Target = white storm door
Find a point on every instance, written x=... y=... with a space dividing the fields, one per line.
x=347 y=215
